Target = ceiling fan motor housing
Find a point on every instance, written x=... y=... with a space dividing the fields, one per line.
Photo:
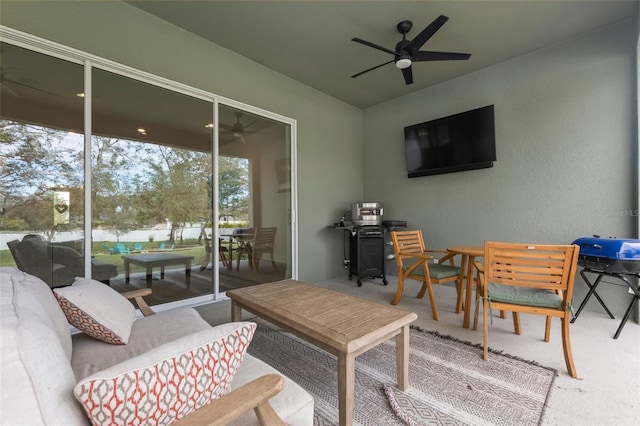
x=405 y=58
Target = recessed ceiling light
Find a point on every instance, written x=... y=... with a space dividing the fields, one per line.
x=209 y=126
x=80 y=95
x=142 y=131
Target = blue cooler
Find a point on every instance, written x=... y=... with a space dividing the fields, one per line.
x=613 y=255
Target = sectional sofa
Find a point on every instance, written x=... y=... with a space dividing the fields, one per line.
x=51 y=376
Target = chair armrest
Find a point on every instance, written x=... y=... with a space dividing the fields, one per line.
x=436 y=251
x=138 y=295
x=479 y=267
x=254 y=395
x=422 y=260
x=447 y=257
x=416 y=255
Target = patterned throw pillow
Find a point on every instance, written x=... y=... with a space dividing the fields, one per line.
x=97 y=310
x=170 y=382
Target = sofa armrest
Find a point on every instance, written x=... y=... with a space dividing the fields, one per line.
x=138 y=295
x=254 y=395
x=65 y=256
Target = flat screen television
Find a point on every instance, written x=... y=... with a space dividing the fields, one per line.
x=459 y=142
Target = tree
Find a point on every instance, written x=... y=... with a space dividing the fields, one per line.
x=180 y=186
x=233 y=184
x=114 y=184
x=34 y=161
x=134 y=184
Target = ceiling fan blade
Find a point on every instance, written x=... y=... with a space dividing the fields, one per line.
x=228 y=138
x=440 y=56
x=6 y=81
x=9 y=90
x=248 y=125
x=427 y=33
x=372 y=68
x=408 y=75
x=375 y=46
x=226 y=127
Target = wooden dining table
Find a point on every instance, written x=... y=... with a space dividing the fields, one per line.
x=226 y=242
x=469 y=254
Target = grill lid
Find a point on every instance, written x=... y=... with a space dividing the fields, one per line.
x=612 y=248
x=614 y=255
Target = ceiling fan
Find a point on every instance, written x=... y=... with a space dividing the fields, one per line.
x=20 y=84
x=238 y=129
x=408 y=51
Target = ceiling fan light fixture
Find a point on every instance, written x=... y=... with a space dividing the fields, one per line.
x=238 y=133
x=403 y=63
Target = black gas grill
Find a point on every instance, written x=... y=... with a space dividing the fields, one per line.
x=366 y=253
x=613 y=257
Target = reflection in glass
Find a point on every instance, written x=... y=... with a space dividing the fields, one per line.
x=153 y=182
x=41 y=165
x=151 y=162
x=254 y=175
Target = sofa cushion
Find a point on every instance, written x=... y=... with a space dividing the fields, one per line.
x=294 y=405
x=36 y=380
x=91 y=355
x=98 y=310
x=102 y=271
x=65 y=256
x=39 y=298
x=168 y=382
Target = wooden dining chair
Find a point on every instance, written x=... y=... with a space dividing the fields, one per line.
x=263 y=242
x=530 y=278
x=244 y=245
x=223 y=253
x=413 y=261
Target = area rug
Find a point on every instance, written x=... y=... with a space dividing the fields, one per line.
x=449 y=383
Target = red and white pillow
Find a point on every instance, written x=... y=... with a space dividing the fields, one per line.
x=97 y=310
x=169 y=382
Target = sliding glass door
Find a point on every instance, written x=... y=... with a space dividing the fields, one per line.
x=138 y=181
x=41 y=165
x=151 y=156
x=254 y=200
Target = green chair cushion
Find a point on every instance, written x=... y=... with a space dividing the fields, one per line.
x=439 y=271
x=436 y=271
x=524 y=296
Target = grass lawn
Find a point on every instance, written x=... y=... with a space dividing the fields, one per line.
x=198 y=252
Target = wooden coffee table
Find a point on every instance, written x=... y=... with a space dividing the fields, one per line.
x=342 y=325
x=151 y=260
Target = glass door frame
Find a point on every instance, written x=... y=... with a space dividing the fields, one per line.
x=89 y=61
